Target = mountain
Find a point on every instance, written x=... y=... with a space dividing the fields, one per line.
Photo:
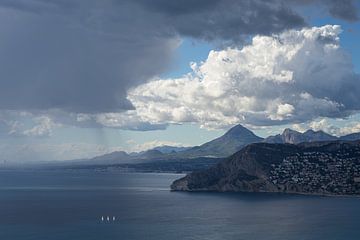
x=121 y=157
x=170 y=149
x=294 y=137
x=350 y=137
x=149 y=154
x=316 y=136
x=113 y=157
x=328 y=168
x=232 y=141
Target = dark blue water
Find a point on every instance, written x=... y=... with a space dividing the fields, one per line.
x=69 y=205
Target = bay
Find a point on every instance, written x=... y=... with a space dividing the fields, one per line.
x=71 y=204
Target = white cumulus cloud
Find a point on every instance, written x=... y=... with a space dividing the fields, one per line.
x=43 y=128
x=328 y=126
x=292 y=77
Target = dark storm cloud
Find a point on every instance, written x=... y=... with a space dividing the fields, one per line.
x=79 y=58
x=344 y=9
x=228 y=20
x=83 y=56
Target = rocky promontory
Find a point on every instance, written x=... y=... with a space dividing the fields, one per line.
x=329 y=168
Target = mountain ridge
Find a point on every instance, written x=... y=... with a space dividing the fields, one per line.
x=229 y=143
x=295 y=137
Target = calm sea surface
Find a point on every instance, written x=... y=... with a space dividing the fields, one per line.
x=69 y=205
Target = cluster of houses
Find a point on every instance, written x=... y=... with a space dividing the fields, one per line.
x=319 y=172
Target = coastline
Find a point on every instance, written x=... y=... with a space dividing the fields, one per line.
x=268 y=192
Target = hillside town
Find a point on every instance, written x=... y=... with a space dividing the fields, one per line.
x=319 y=172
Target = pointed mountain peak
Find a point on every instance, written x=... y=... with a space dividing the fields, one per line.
x=238 y=130
x=291 y=136
x=232 y=141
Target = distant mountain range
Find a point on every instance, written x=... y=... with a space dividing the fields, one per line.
x=326 y=168
x=294 y=137
x=170 y=149
x=123 y=157
x=231 y=142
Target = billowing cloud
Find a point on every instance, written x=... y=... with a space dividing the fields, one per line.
x=126 y=120
x=26 y=124
x=295 y=76
x=83 y=56
x=43 y=128
x=326 y=125
x=353 y=127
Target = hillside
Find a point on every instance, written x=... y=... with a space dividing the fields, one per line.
x=232 y=141
x=310 y=168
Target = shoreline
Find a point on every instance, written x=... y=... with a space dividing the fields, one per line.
x=280 y=193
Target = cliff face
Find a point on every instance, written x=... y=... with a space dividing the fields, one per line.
x=263 y=167
x=246 y=170
x=294 y=137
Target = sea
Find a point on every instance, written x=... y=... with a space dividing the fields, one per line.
x=90 y=205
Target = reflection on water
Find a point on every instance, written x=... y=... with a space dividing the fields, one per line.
x=70 y=205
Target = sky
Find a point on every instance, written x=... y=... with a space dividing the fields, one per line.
x=83 y=78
